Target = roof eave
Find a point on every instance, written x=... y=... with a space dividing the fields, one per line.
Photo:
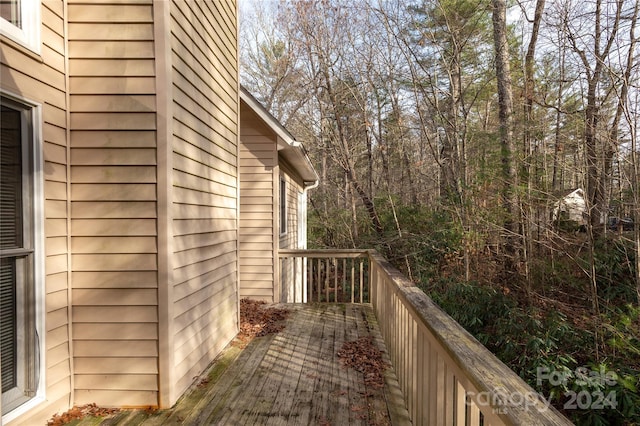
x=290 y=149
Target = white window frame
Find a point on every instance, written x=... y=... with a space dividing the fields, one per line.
x=28 y=35
x=282 y=213
x=33 y=139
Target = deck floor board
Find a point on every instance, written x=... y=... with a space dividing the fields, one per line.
x=295 y=378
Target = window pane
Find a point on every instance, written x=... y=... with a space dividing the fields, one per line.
x=10 y=179
x=10 y=10
x=8 y=323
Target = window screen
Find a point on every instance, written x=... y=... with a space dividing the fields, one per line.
x=18 y=336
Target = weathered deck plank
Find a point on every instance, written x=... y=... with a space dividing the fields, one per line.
x=355 y=386
x=292 y=378
x=283 y=403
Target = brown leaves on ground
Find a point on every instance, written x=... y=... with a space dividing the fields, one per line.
x=79 y=413
x=256 y=319
x=363 y=356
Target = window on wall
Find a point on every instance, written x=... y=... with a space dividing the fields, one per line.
x=10 y=11
x=20 y=21
x=19 y=341
x=283 y=206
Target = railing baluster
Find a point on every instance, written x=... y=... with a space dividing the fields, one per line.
x=433 y=387
x=344 y=278
x=353 y=275
x=335 y=280
x=423 y=377
x=309 y=273
x=413 y=353
x=361 y=278
x=449 y=384
x=319 y=279
x=460 y=404
x=326 y=280
x=473 y=414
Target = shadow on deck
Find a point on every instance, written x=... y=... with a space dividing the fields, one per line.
x=291 y=378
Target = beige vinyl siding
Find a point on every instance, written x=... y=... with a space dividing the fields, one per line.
x=204 y=177
x=258 y=212
x=42 y=79
x=113 y=203
x=290 y=239
x=101 y=195
x=290 y=271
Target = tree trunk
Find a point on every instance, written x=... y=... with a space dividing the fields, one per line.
x=529 y=84
x=505 y=101
x=557 y=184
x=449 y=158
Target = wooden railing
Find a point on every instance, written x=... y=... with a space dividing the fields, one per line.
x=334 y=276
x=446 y=375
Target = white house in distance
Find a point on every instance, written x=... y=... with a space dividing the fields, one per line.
x=571 y=206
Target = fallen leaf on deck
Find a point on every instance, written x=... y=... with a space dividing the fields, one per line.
x=363 y=356
x=78 y=413
x=256 y=319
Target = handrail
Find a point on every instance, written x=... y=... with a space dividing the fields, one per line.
x=324 y=253
x=447 y=376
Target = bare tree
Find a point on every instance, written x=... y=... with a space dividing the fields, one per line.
x=529 y=125
x=594 y=58
x=505 y=105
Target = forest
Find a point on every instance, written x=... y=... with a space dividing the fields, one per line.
x=489 y=150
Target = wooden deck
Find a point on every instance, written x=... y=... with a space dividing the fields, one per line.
x=291 y=378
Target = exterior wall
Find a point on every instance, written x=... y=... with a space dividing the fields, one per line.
x=41 y=79
x=141 y=195
x=205 y=176
x=290 y=239
x=113 y=203
x=290 y=269
x=258 y=207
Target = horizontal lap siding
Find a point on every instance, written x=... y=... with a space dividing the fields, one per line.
x=43 y=81
x=113 y=203
x=291 y=282
x=258 y=160
x=290 y=239
x=204 y=210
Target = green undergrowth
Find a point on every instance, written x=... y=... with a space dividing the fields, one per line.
x=554 y=355
x=546 y=328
